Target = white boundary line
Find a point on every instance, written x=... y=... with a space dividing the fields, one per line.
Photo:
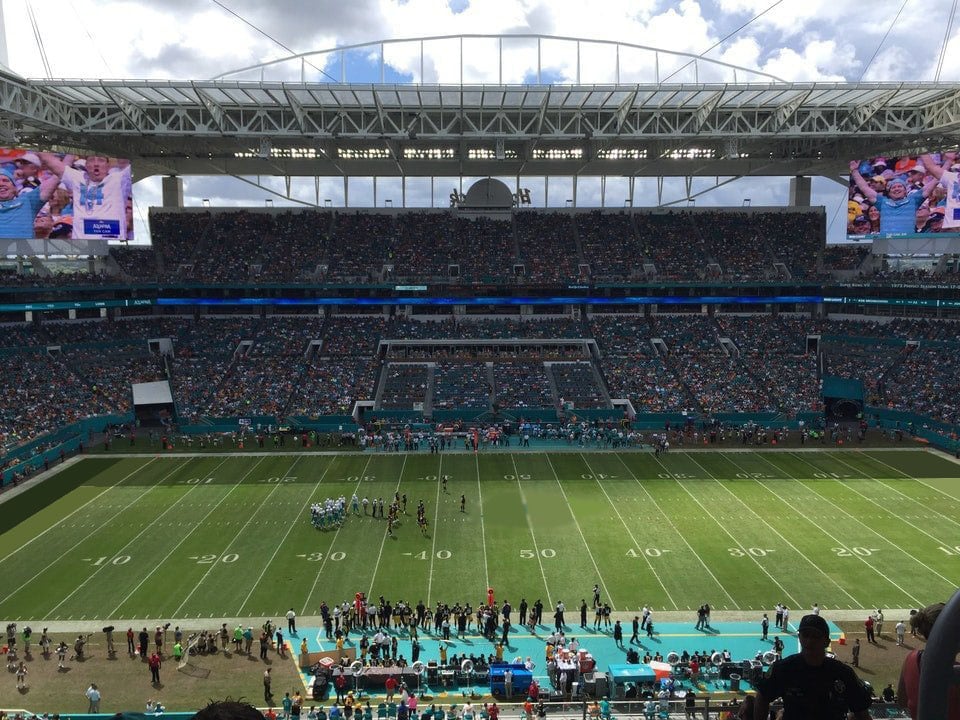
x=483 y=533
x=96 y=530
x=633 y=539
x=729 y=534
x=526 y=515
x=777 y=532
x=199 y=523
x=215 y=563
x=951 y=583
x=65 y=517
x=133 y=539
x=858 y=557
x=677 y=531
x=883 y=484
x=910 y=477
x=436 y=528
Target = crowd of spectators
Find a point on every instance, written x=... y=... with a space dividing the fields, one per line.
x=735 y=241
x=745 y=246
x=866 y=361
x=673 y=245
x=310 y=366
x=308 y=246
x=777 y=358
x=461 y=385
x=331 y=386
x=521 y=384
x=646 y=382
x=845 y=257
x=29 y=381
x=360 y=245
x=610 y=245
x=403 y=385
x=427 y=244
x=927 y=382
x=548 y=246
x=577 y=383
x=175 y=238
x=137 y=263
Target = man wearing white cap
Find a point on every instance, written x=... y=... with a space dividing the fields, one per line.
x=28 y=171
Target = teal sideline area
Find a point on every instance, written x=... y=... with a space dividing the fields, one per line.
x=742 y=639
x=31 y=456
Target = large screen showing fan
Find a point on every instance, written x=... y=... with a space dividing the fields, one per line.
x=903 y=197
x=53 y=195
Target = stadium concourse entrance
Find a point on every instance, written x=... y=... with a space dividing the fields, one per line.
x=842 y=399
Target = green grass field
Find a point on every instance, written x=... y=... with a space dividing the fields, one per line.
x=229 y=536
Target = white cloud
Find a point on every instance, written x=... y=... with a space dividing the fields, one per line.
x=801 y=40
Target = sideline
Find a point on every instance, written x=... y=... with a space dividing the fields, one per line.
x=667 y=616
x=10 y=491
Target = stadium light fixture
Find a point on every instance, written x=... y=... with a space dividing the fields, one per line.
x=622 y=153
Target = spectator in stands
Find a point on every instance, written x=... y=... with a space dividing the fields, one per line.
x=100 y=190
x=811 y=684
x=18 y=212
x=908 y=691
x=897 y=203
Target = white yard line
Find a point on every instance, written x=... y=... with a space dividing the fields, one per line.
x=384 y=540
x=526 y=514
x=215 y=563
x=92 y=532
x=65 y=517
x=133 y=539
x=777 y=532
x=918 y=480
x=156 y=567
x=927 y=510
x=950 y=582
x=436 y=528
x=333 y=541
x=633 y=539
x=566 y=501
x=679 y=534
x=839 y=543
x=483 y=534
x=300 y=517
x=730 y=535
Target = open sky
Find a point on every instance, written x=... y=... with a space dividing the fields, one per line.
x=799 y=40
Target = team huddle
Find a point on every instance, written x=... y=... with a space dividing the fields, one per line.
x=330 y=514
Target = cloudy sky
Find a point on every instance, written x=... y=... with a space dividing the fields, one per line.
x=802 y=40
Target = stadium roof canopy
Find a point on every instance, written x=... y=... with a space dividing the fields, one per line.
x=722 y=121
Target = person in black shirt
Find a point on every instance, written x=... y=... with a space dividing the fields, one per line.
x=813 y=686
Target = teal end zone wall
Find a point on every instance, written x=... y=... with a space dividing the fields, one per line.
x=67 y=439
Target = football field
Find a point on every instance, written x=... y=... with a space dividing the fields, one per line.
x=177 y=537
